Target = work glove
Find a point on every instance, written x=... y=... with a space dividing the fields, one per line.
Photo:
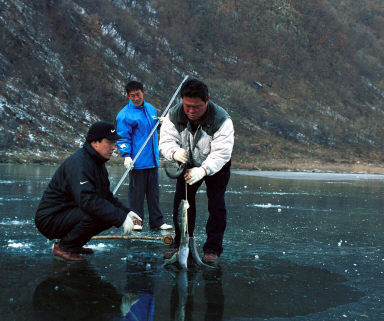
x=127 y=301
x=127 y=162
x=128 y=223
x=161 y=119
x=194 y=175
x=180 y=155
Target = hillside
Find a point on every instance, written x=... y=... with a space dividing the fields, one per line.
x=302 y=80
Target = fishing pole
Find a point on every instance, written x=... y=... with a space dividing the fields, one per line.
x=149 y=137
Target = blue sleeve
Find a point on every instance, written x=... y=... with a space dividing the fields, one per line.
x=153 y=114
x=124 y=129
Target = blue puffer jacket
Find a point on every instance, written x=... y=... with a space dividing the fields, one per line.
x=135 y=124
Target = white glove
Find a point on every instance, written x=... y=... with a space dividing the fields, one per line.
x=161 y=119
x=194 y=175
x=128 y=223
x=180 y=155
x=127 y=162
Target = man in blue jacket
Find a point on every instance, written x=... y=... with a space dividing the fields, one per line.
x=134 y=124
x=78 y=203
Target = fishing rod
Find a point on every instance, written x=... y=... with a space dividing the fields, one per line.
x=149 y=137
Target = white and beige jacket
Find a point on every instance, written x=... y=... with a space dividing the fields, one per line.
x=210 y=146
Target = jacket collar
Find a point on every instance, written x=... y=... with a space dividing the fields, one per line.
x=204 y=121
x=131 y=104
x=94 y=154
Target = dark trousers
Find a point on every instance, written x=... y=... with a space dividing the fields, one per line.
x=145 y=183
x=217 y=220
x=74 y=228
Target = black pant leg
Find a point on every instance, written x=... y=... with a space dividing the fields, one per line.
x=136 y=191
x=83 y=231
x=156 y=218
x=57 y=225
x=217 y=220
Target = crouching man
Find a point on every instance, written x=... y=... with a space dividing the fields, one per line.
x=78 y=203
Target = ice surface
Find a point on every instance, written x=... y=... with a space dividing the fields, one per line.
x=310 y=176
x=319 y=258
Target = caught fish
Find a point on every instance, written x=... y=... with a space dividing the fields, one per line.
x=195 y=253
x=181 y=256
x=184 y=238
x=187 y=244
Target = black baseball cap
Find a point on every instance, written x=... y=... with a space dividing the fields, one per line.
x=100 y=130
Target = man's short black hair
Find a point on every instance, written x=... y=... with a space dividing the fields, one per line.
x=194 y=88
x=134 y=85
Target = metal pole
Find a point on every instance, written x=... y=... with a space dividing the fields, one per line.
x=149 y=137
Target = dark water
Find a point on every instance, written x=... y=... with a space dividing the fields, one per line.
x=297 y=247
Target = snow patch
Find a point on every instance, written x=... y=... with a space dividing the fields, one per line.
x=18 y=245
x=269 y=205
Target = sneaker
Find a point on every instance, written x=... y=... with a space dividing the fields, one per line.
x=169 y=254
x=210 y=258
x=58 y=253
x=165 y=227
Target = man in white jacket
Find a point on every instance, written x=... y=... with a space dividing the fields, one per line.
x=200 y=133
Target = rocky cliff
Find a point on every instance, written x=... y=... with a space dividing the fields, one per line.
x=302 y=80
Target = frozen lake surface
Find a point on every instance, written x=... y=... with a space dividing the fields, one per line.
x=311 y=176
x=298 y=246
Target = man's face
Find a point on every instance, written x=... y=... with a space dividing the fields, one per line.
x=137 y=97
x=105 y=147
x=194 y=107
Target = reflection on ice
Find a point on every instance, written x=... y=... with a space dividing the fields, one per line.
x=273 y=288
x=76 y=292
x=197 y=295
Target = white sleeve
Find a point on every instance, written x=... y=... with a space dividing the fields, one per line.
x=170 y=139
x=221 y=148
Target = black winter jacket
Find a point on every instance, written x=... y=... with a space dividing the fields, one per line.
x=81 y=181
